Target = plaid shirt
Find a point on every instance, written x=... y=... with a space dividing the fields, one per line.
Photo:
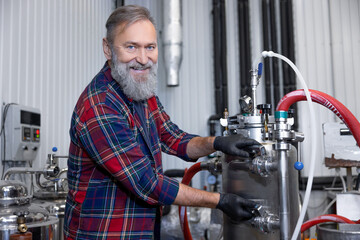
x=116 y=181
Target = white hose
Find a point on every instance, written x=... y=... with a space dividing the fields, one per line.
x=342 y=179
x=313 y=137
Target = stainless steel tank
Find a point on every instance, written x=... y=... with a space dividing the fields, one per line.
x=338 y=231
x=258 y=179
x=53 y=198
x=15 y=203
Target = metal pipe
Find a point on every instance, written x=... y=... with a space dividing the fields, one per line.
x=62 y=171
x=284 y=195
x=172 y=40
x=254 y=83
x=17 y=170
x=52 y=171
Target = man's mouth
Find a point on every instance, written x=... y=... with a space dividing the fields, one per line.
x=139 y=69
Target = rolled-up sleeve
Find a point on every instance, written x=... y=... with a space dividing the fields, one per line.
x=109 y=139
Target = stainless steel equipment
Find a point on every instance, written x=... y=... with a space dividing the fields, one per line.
x=338 y=231
x=268 y=176
x=15 y=204
x=51 y=194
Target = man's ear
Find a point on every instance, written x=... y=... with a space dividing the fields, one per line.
x=106 y=49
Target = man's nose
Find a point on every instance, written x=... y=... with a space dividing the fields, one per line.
x=142 y=56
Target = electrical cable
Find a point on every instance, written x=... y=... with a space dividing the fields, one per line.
x=3 y=155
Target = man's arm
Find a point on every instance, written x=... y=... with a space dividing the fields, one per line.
x=200 y=147
x=234 y=206
x=232 y=145
x=188 y=196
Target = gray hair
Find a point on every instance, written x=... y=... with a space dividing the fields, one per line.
x=127 y=15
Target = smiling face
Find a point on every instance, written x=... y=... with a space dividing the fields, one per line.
x=133 y=58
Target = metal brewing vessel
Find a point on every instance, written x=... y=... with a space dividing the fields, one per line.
x=15 y=203
x=258 y=180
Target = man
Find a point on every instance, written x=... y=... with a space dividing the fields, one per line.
x=118 y=131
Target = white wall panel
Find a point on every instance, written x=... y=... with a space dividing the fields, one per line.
x=50 y=50
x=327 y=44
x=192 y=103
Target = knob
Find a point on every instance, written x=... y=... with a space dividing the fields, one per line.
x=265 y=108
x=291 y=112
x=54 y=149
x=299 y=166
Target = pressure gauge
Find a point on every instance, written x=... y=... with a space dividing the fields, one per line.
x=211 y=179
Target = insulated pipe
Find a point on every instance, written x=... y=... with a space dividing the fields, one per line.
x=325 y=218
x=189 y=173
x=172 y=40
x=329 y=102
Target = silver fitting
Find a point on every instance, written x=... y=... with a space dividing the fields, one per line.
x=264 y=220
x=263 y=166
x=213 y=166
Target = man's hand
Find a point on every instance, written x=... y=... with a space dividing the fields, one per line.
x=234 y=145
x=235 y=207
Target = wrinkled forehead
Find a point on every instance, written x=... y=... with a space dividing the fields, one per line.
x=139 y=31
x=125 y=25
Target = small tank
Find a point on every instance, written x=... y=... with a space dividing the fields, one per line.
x=338 y=231
x=35 y=221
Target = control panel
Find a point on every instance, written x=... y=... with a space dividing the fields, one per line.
x=22 y=128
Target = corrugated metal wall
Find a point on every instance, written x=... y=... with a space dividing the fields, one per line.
x=327 y=36
x=50 y=50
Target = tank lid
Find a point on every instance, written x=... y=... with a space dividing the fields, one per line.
x=13 y=193
x=32 y=213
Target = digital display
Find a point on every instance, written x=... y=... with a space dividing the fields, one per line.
x=26 y=136
x=30 y=118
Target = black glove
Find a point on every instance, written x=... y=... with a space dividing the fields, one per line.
x=234 y=145
x=236 y=207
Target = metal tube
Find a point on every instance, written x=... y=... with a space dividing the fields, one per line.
x=172 y=40
x=254 y=83
x=16 y=170
x=284 y=196
x=349 y=179
x=51 y=171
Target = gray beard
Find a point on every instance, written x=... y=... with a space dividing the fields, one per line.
x=138 y=89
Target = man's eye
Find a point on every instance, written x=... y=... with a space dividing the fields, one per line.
x=150 y=48
x=130 y=47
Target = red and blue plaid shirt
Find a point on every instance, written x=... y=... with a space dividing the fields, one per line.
x=116 y=181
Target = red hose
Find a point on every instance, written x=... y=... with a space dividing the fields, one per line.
x=325 y=218
x=328 y=101
x=189 y=173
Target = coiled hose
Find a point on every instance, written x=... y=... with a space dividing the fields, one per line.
x=189 y=173
x=327 y=101
x=325 y=218
x=332 y=104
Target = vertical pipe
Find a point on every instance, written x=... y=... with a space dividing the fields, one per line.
x=349 y=179
x=220 y=56
x=254 y=83
x=172 y=40
x=284 y=195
